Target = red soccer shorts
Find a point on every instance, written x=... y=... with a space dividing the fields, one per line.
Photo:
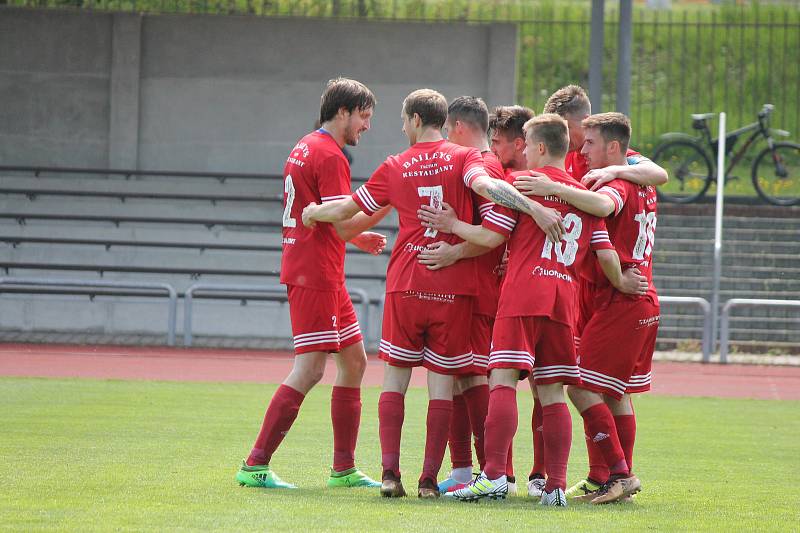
x=481 y=341
x=538 y=344
x=429 y=330
x=617 y=347
x=322 y=321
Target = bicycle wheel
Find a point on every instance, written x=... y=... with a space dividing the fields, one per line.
x=776 y=174
x=689 y=168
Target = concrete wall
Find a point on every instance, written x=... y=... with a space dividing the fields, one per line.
x=220 y=93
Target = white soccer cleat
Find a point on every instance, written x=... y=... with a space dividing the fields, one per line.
x=556 y=498
x=480 y=488
x=512 y=487
x=536 y=487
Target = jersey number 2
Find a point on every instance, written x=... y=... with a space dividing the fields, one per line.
x=436 y=195
x=566 y=254
x=288 y=188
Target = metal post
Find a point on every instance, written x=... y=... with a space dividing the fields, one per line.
x=624 y=56
x=596 y=43
x=718 y=229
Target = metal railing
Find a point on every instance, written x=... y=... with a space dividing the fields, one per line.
x=724 y=332
x=81 y=286
x=255 y=292
x=705 y=307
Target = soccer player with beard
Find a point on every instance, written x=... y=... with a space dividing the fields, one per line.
x=533 y=334
x=428 y=312
x=619 y=339
x=312 y=268
x=507 y=139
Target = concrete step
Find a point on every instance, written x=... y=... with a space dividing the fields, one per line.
x=210 y=190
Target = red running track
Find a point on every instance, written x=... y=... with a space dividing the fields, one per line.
x=179 y=364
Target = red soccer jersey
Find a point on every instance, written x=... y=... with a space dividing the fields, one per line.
x=487 y=264
x=542 y=277
x=576 y=166
x=315 y=171
x=632 y=227
x=427 y=173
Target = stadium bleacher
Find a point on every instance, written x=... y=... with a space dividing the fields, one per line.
x=182 y=228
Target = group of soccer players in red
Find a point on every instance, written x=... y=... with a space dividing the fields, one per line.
x=513 y=260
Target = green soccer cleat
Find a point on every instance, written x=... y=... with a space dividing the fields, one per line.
x=351 y=478
x=260 y=476
x=583 y=490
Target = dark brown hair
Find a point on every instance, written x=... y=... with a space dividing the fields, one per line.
x=471 y=110
x=612 y=127
x=344 y=93
x=510 y=119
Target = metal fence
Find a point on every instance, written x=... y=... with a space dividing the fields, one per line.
x=731 y=58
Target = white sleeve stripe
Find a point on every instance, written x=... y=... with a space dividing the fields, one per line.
x=334 y=198
x=504 y=217
x=491 y=217
x=366 y=197
x=614 y=196
x=473 y=173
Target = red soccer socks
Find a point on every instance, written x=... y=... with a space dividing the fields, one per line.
x=439 y=412
x=391 y=411
x=477 y=399
x=346 y=418
x=280 y=416
x=538 y=440
x=501 y=425
x=603 y=432
x=460 y=434
x=626 y=429
x=598 y=469
x=557 y=437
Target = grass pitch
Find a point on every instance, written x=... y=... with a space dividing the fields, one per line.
x=124 y=455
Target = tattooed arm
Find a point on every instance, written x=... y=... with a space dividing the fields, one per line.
x=505 y=194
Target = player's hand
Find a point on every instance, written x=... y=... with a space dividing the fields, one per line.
x=633 y=282
x=370 y=242
x=535 y=184
x=438 y=255
x=308 y=215
x=438 y=219
x=550 y=221
x=594 y=179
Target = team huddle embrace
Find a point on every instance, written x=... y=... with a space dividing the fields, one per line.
x=524 y=252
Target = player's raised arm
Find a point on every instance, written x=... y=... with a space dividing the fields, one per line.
x=505 y=194
x=335 y=211
x=590 y=202
x=638 y=169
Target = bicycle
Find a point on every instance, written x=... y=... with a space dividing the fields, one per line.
x=775 y=170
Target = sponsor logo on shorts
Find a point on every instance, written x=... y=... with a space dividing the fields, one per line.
x=540 y=271
x=431 y=297
x=289 y=240
x=648 y=322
